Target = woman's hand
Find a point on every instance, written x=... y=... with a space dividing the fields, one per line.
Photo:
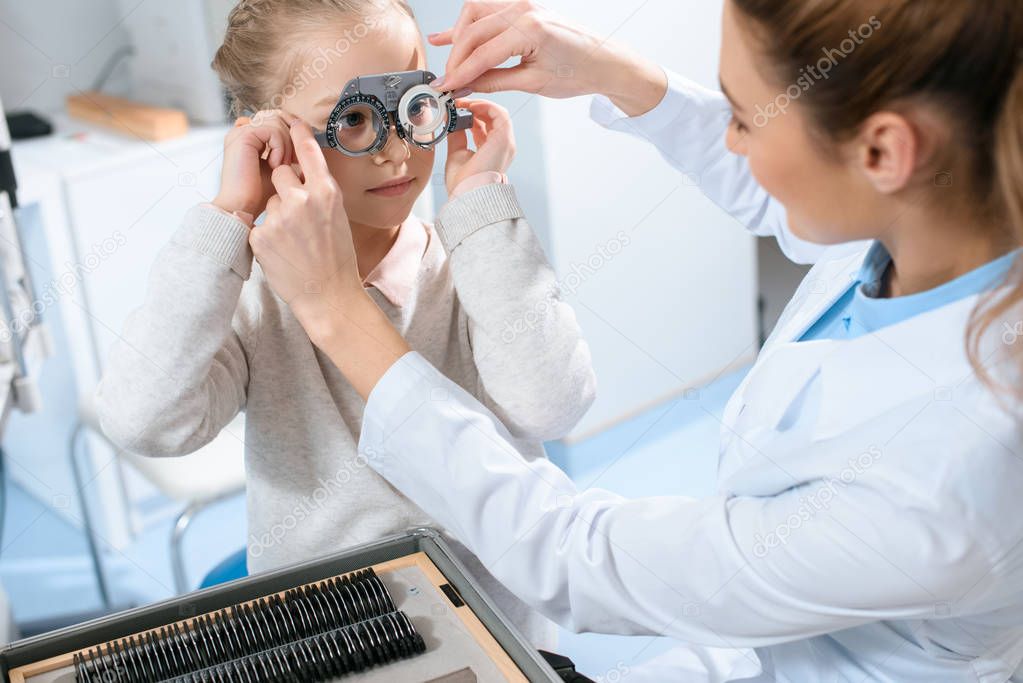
x=305 y=249
x=245 y=180
x=305 y=244
x=493 y=136
x=558 y=58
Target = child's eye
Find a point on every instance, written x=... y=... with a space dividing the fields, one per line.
x=739 y=125
x=351 y=120
x=418 y=113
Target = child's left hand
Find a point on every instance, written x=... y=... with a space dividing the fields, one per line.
x=494 y=138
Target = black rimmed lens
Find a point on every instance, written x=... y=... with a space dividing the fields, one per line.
x=357 y=126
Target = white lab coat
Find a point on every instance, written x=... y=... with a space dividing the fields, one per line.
x=867 y=525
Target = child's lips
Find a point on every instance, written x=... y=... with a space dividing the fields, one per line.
x=394 y=188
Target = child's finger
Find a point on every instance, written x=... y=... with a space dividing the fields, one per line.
x=482 y=121
x=479 y=133
x=484 y=108
x=458 y=142
x=267 y=133
x=272 y=143
x=280 y=155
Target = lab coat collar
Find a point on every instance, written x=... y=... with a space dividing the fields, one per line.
x=862 y=377
x=924 y=356
x=825 y=285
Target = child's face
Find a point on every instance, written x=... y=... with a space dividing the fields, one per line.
x=393 y=44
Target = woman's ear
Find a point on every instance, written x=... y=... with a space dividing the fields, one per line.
x=889 y=151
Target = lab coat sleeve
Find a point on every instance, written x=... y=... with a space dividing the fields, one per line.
x=178 y=372
x=688 y=127
x=535 y=369
x=704 y=571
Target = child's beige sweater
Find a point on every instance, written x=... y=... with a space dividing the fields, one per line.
x=212 y=339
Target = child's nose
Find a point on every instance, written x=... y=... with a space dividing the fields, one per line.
x=396 y=150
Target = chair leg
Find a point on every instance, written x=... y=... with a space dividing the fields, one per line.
x=90 y=533
x=181 y=524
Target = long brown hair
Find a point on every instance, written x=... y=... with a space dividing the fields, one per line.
x=964 y=57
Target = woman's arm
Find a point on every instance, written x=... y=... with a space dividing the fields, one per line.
x=686 y=122
x=558 y=58
x=178 y=373
x=705 y=571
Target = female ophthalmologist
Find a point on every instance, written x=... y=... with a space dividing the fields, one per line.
x=868 y=524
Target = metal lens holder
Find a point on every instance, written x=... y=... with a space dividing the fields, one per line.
x=391 y=96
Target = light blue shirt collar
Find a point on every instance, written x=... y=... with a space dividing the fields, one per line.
x=874 y=313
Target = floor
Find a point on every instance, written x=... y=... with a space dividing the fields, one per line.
x=671 y=449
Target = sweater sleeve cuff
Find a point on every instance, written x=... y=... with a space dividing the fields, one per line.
x=476 y=209
x=479 y=180
x=220 y=236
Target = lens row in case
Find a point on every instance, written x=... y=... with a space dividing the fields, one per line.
x=238 y=631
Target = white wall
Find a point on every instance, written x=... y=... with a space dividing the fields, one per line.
x=675 y=307
x=48 y=48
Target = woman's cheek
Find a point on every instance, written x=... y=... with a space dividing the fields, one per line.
x=781 y=180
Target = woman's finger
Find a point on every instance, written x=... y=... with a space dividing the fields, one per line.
x=493 y=53
x=308 y=152
x=285 y=179
x=273 y=208
x=474 y=35
x=520 y=77
x=441 y=39
x=474 y=11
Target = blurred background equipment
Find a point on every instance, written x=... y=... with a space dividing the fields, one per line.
x=127 y=116
x=174 y=43
x=23 y=340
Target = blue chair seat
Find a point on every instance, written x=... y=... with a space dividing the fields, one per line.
x=232 y=568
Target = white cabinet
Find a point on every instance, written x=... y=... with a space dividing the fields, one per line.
x=106 y=204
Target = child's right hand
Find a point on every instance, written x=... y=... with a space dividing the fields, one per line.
x=245 y=180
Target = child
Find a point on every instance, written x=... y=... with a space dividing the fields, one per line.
x=212 y=338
